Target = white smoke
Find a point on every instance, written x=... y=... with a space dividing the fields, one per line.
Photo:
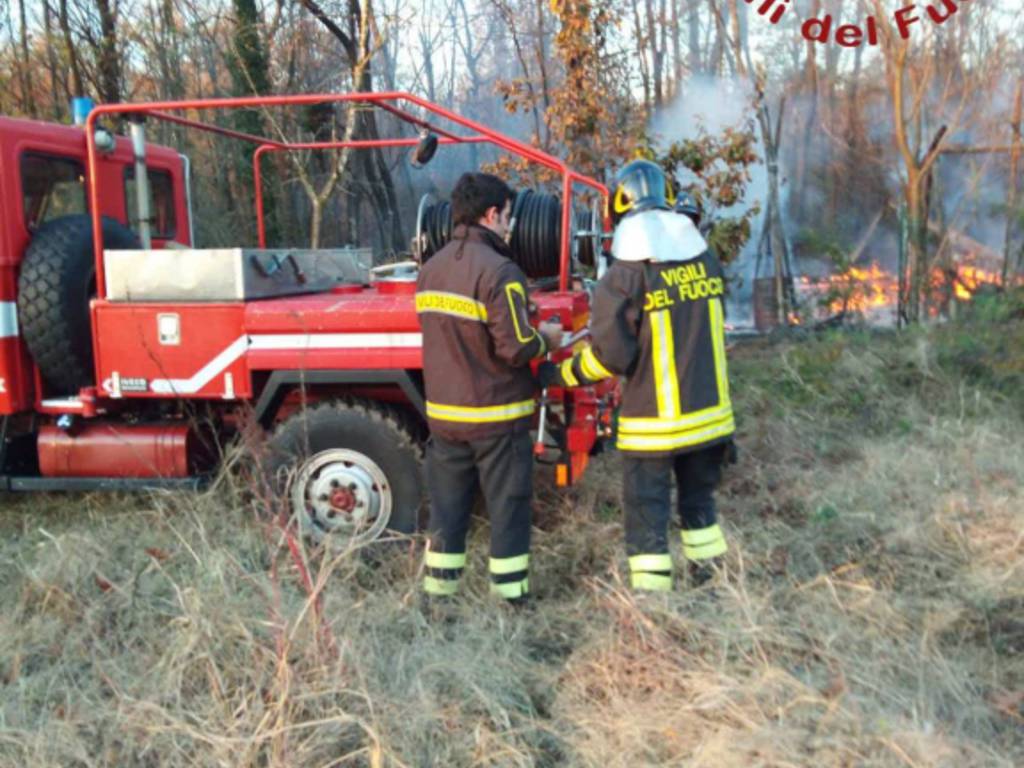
x=713 y=104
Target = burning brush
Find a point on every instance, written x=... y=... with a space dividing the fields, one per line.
x=873 y=292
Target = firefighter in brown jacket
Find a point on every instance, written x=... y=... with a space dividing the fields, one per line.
x=477 y=347
x=658 y=320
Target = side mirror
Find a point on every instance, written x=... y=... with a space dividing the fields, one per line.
x=425 y=150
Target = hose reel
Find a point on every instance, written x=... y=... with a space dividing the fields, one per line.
x=536 y=231
x=433 y=227
x=588 y=234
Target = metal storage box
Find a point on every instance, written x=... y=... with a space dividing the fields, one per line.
x=230 y=274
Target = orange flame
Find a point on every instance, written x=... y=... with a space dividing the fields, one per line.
x=855 y=290
x=873 y=289
x=970 y=278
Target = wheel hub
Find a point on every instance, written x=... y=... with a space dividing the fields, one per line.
x=343 y=499
x=344 y=492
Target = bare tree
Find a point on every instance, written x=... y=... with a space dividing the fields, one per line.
x=24 y=66
x=770 y=110
x=930 y=93
x=359 y=45
x=535 y=101
x=108 y=58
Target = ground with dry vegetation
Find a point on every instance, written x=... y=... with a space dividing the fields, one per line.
x=871 y=614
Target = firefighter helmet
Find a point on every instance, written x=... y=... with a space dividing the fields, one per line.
x=640 y=186
x=688 y=206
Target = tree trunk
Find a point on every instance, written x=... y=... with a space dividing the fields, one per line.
x=811 y=87
x=249 y=66
x=693 y=23
x=315 y=221
x=645 y=75
x=677 y=50
x=58 y=83
x=1014 y=185
x=655 y=42
x=542 y=66
x=358 y=49
x=173 y=85
x=77 y=82
x=108 y=57
x=25 y=68
x=917 y=251
x=774 y=219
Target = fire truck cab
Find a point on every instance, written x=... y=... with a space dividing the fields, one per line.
x=127 y=354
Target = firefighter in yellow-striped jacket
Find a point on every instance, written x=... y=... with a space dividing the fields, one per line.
x=477 y=346
x=657 y=320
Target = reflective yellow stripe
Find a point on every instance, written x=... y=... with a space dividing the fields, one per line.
x=651 y=562
x=512 y=589
x=472 y=415
x=502 y=565
x=510 y=290
x=688 y=422
x=451 y=304
x=543 y=347
x=706 y=553
x=652 y=582
x=718 y=344
x=704 y=543
x=671 y=441
x=699 y=536
x=434 y=586
x=567 y=375
x=446 y=560
x=666 y=384
x=592 y=367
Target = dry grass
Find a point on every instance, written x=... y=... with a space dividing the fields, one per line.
x=871 y=612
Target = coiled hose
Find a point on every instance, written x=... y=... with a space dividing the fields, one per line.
x=536 y=232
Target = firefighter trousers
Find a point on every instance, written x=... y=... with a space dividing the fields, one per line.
x=502 y=467
x=647 y=500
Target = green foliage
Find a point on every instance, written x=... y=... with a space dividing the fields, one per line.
x=825 y=513
x=728 y=235
x=986 y=346
x=870 y=381
x=826 y=245
x=248 y=61
x=249 y=65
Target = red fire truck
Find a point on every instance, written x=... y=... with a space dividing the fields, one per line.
x=126 y=352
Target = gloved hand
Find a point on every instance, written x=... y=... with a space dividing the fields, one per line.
x=552 y=333
x=547 y=374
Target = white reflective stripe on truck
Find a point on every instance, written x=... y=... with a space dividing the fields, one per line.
x=283 y=341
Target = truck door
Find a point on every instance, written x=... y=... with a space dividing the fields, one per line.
x=48 y=185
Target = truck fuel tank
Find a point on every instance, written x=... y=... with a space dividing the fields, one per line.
x=115 y=450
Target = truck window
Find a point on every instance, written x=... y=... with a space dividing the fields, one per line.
x=162 y=219
x=51 y=187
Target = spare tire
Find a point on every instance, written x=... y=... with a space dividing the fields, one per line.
x=57 y=281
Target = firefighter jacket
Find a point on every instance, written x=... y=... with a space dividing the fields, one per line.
x=661 y=325
x=477 y=338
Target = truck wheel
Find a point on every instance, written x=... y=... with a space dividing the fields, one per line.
x=350 y=469
x=57 y=281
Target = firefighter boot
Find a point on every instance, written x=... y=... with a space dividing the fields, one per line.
x=646 y=496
